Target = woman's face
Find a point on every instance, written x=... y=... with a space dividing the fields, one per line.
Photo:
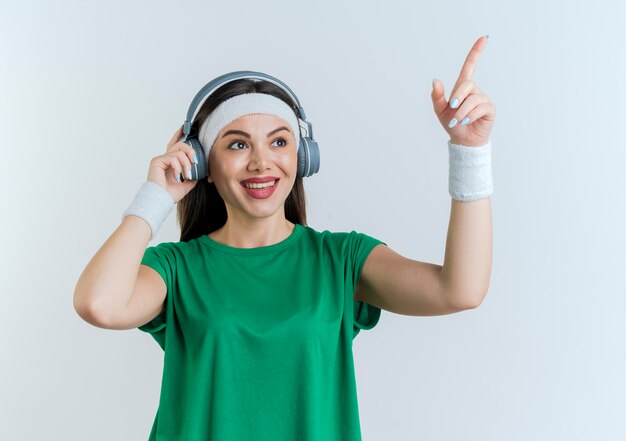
x=254 y=146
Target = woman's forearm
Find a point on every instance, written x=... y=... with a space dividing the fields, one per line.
x=467 y=263
x=107 y=282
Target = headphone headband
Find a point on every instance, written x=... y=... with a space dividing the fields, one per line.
x=218 y=82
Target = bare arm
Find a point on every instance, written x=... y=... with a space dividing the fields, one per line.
x=114 y=290
x=410 y=287
x=106 y=285
x=468 y=258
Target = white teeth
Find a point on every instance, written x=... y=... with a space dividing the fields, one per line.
x=263 y=185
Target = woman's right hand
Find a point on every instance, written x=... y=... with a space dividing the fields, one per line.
x=177 y=159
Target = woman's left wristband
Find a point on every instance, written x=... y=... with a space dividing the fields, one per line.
x=469 y=176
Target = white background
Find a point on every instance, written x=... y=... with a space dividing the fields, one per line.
x=90 y=91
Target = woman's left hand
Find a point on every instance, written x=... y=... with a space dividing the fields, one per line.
x=470 y=112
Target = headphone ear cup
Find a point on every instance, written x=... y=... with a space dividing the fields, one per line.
x=308 y=157
x=199 y=170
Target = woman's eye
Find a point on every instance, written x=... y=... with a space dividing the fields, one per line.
x=284 y=141
x=234 y=143
x=240 y=144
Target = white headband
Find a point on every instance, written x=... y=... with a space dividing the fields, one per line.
x=245 y=104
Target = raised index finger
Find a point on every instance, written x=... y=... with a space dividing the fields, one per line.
x=472 y=59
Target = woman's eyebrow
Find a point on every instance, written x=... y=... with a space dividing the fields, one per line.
x=247 y=135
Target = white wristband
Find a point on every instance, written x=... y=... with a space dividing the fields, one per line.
x=469 y=177
x=152 y=203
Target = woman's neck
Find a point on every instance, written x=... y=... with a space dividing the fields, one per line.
x=253 y=234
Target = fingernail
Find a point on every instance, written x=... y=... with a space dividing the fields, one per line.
x=195 y=159
x=452 y=123
x=189 y=174
x=177 y=177
x=454 y=103
x=465 y=121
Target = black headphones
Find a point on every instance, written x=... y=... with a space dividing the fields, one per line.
x=308 y=150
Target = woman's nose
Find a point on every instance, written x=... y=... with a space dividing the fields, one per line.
x=259 y=158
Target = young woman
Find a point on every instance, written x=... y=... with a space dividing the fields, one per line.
x=255 y=310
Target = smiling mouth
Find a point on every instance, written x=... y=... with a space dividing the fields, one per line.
x=257 y=186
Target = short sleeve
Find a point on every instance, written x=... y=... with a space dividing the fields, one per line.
x=159 y=258
x=366 y=316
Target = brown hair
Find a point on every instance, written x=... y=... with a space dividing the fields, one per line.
x=202 y=210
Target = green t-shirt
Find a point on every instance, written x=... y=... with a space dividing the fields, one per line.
x=258 y=341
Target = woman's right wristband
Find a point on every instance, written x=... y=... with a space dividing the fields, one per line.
x=153 y=204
